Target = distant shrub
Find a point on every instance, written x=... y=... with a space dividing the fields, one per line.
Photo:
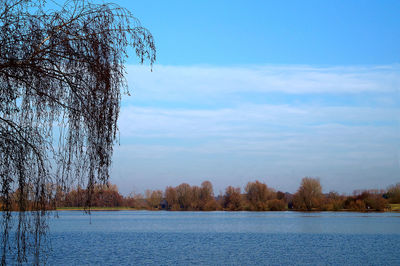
x=367 y=200
x=375 y=202
x=210 y=205
x=357 y=205
x=333 y=202
x=276 y=205
x=393 y=193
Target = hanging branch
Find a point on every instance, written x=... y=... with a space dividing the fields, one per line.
x=61 y=78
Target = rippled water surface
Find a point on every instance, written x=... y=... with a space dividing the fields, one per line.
x=220 y=238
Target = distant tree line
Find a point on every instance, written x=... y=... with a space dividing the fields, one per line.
x=257 y=196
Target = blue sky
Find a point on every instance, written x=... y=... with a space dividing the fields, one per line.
x=267 y=90
x=232 y=32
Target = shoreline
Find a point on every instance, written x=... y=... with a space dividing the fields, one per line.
x=396 y=209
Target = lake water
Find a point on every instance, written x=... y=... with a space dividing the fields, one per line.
x=225 y=238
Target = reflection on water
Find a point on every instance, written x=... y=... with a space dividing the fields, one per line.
x=242 y=238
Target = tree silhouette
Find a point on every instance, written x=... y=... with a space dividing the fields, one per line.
x=309 y=194
x=258 y=194
x=61 y=79
x=232 y=199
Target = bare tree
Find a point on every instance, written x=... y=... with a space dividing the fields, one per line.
x=61 y=79
x=154 y=198
x=185 y=196
x=258 y=194
x=207 y=199
x=393 y=193
x=233 y=199
x=171 y=196
x=309 y=194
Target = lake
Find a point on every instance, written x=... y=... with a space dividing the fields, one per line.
x=225 y=238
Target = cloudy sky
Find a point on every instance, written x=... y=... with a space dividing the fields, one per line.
x=246 y=90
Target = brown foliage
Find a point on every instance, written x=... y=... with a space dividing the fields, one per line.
x=171 y=196
x=333 y=202
x=102 y=196
x=207 y=199
x=373 y=199
x=309 y=194
x=184 y=192
x=232 y=199
x=366 y=200
x=154 y=198
x=137 y=201
x=393 y=193
x=74 y=198
x=195 y=198
x=280 y=195
x=211 y=205
x=186 y=197
x=357 y=205
x=277 y=205
x=258 y=194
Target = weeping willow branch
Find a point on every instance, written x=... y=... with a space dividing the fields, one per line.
x=61 y=80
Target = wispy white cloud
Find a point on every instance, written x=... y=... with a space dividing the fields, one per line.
x=246 y=121
x=183 y=82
